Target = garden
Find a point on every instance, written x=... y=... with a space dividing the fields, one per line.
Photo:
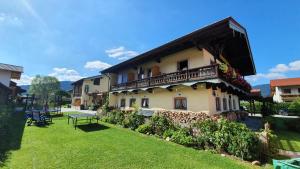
x=58 y=145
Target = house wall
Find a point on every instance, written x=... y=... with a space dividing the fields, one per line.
x=103 y=87
x=5 y=77
x=199 y=100
x=279 y=91
x=168 y=64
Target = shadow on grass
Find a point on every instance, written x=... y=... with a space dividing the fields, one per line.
x=92 y=127
x=11 y=131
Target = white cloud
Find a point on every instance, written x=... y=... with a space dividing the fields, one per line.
x=121 y=53
x=259 y=76
x=295 y=66
x=277 y=72
x=96 y=65
x=282 y=68
x=64 y=74
x=25 y=80
x=10 y=19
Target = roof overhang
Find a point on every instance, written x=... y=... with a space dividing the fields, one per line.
x=227 y=37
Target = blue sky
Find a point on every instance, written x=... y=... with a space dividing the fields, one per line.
x=73 y=39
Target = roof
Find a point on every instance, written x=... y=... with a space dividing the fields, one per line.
x=81 y=80
x=256 y=92
x=285 y=82
x=227 y=32
x=12 y=68
x=16 y=71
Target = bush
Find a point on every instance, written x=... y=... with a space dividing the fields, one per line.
x=114 y=117
x=168 y=133
x=135 y=120
x=160 y=124
x=206 y=133
x=294 y=107
x=144 y=128
x=243 y=143
x=182 y=136
x=232 y=137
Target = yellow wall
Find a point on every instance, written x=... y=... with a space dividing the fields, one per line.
x=103 y=87
x=199 y=100
x=168 y=64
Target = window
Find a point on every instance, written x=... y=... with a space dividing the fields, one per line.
x=122 y=78
x=298 y=90
x=132 y=102
x=182 y=65
x=97 y=81
x=233 y=102
x=123 y=103
x=180 y=103
x=224 y=104
x=229 y=102
x=218 y=104
x=287 y=91
x=86 y=88
x=145 y=103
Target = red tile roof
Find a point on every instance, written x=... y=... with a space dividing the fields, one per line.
x=285 y=82
x=256 y=92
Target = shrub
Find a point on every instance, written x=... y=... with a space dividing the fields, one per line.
x=114 y=117
x=160 y=124
x=144 y=128
x=294 y=107
x=243 y=143
x=168 y=133
x=135 y=120
x=206 y=129
x=182 y=137
x=119 y=117
x=232 y=137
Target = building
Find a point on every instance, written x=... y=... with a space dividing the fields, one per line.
x=201 y=72
x=285 y=90
x=90 y=90
x=9 y=88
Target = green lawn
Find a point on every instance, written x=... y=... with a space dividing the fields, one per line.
x=105 y=146
x=289 y=140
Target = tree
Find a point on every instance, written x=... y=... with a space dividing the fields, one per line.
x=43 y=87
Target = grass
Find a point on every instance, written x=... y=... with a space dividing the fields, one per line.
x=286 y=130
x=289 y=140
x=105 y=146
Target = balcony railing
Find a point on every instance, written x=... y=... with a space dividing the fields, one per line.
x=290 y=94
x=201 y=73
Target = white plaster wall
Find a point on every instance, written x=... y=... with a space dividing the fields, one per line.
x=5 y=77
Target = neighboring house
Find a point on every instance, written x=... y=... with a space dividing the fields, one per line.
x=201 y=72
x=7 y=87
x=256 y=92
x=285 y=90
x=90 y=90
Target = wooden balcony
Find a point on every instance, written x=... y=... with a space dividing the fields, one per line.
x=201 y=73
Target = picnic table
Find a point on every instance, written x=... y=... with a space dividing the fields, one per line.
x=81 y=116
